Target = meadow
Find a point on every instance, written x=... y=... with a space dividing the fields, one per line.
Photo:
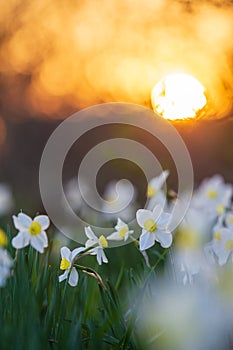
x=170 y=292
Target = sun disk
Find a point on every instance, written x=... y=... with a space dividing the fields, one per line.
x=178 y=96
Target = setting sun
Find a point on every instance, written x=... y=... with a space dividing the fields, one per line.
x=178 y=96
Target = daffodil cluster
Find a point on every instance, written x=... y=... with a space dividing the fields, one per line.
x=203 y=239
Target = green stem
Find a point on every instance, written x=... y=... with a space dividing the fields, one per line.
x=92 y=273
x=61 y=310
x=134 y=240
x=160 y=259
x=16 y=256
x=143 y=252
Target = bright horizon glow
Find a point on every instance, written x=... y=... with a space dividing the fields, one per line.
x=178 y=96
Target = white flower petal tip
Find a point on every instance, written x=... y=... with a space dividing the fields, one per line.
x=76 y=252
x=146 y=241
x=65 y=252
x=20 y=241
x=43 y=220
x=165 y=239
x=73 y=278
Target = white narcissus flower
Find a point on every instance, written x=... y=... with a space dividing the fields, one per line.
x=67 y=265
x=156 y=184
x=98 y=245
x=155 y=194
x=122 y=232
x=154 y=228
x=6 y=264
x=222 y=243
x=31 y=231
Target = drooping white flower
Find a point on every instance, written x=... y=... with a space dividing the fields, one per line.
x=154 y=228
x=98 y=245
x=67 y=265
x=6 y=199
x=213 y=195
x=155 y=194
x=31 y=231
x=222 y=243
x=6 y=264
x=122 y=232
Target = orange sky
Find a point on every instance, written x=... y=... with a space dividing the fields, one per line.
x=57 y=57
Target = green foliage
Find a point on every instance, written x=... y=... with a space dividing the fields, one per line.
x=38 y=312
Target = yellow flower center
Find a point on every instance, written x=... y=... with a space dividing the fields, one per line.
x=65 y=264
x=103 y=241
x=3 y=239
x=229 y=244
x=187 y=239
x=212 y=194
x=220 y=209
x=35 y=228
x=123 y=231
x=151 y=191
x=230 y=220
x=150 y=225
x=218 y=235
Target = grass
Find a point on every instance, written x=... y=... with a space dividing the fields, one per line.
x=38 y=312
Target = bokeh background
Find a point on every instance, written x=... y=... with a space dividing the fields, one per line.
x=59 y=57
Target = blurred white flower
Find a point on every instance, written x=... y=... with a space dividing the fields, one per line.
x=31 y=231
x=222 y=243
x=156 y=184
x=154 y=227
x=122 y=232
x=6 y=199
x=213 y=195
x=229 y=220
x=155 y=194
x=182 y=318
x=98 y=244
x=6 y=264
x=67 y=265
x=190 y=237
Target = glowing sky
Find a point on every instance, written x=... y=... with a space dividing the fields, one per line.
x=78 y=53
